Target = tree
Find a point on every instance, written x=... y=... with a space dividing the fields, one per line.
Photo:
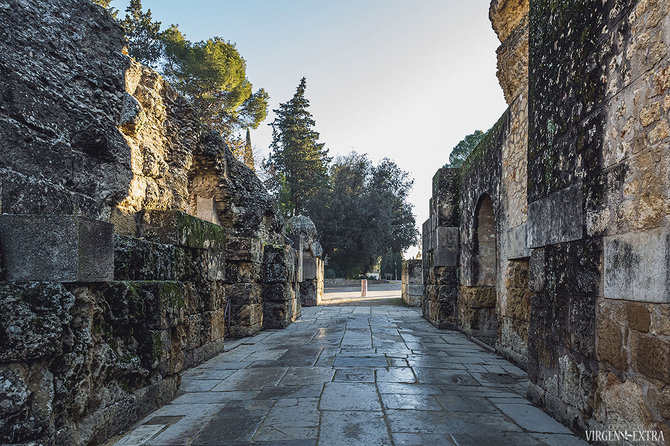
x=391 y=263
x=212 y=74
x=296 y=154
x=362 y=213
x=142 y=34
x=461 y=150
x=248 y=152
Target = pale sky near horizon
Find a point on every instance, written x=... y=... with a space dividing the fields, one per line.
x=392 y=78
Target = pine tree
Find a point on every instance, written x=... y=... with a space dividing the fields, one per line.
x=212 y=75
x=296 y=154
x=248 y=152
x=143 y=34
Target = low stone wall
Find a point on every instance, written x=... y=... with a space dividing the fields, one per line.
x=412 y=283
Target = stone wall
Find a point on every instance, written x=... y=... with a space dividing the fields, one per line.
x=577 y=173
x=412 y=282
x=440 y=251
x=132 y=240
x=604 y=167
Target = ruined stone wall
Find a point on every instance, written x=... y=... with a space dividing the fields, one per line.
x=598 y=162
x=148 y=239
x=412 y=283
x=578 y=176
x=440 y=248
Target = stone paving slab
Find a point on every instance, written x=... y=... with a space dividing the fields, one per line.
x=352 y=375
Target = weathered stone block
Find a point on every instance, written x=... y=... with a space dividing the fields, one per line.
x=178 y=228
x=556 y=218
x=638 y=317
x=651 y=356
x=33 y=321
x=278 y=264
x=56 y=248
x=610 y=344
x=242 y=271
x=138 y=259
x=276 y=292
x=243 y=293
x=516 y=244
x=309 y=268
x=309 y=293
x=446 y=246
x=637 y=267
x=244 y=249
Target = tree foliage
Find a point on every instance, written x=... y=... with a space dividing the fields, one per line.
x=298 y=162
x=461 y=150
x=363 y=213
x=143 y=35
x=212 y=74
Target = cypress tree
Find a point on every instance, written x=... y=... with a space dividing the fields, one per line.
x=297 y=157
x=248 y=152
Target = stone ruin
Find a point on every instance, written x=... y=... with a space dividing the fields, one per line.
x=552 y=242
x=132 y=240
x=305 y=239
x=412 y=282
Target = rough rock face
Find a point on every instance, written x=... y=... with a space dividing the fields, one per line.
x=60 y=103
x=194 y=249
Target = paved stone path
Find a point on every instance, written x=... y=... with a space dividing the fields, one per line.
x=353 y=375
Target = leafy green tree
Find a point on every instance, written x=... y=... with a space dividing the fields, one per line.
x=212 y=74
x=296 y=152
x=143 y=35
x=461 y=150
x=362 y=213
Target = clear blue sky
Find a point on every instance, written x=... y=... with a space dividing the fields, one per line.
x=392 y=78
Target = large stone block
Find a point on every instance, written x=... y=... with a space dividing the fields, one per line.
x=637 y=267
x=56 y=248
x=34 y=318
x=310 y=268
x=178 y=228
x=446 y=246
x=516 y=244
x=556 y=218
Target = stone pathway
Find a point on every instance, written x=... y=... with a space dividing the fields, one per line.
x=353 y=375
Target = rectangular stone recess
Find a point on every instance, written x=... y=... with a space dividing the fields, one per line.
x=637 y=267
x=309 y=268
x=180 y=229
x=56 y=248
x=516 y=243
x=556 y=218
x=446 y=249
